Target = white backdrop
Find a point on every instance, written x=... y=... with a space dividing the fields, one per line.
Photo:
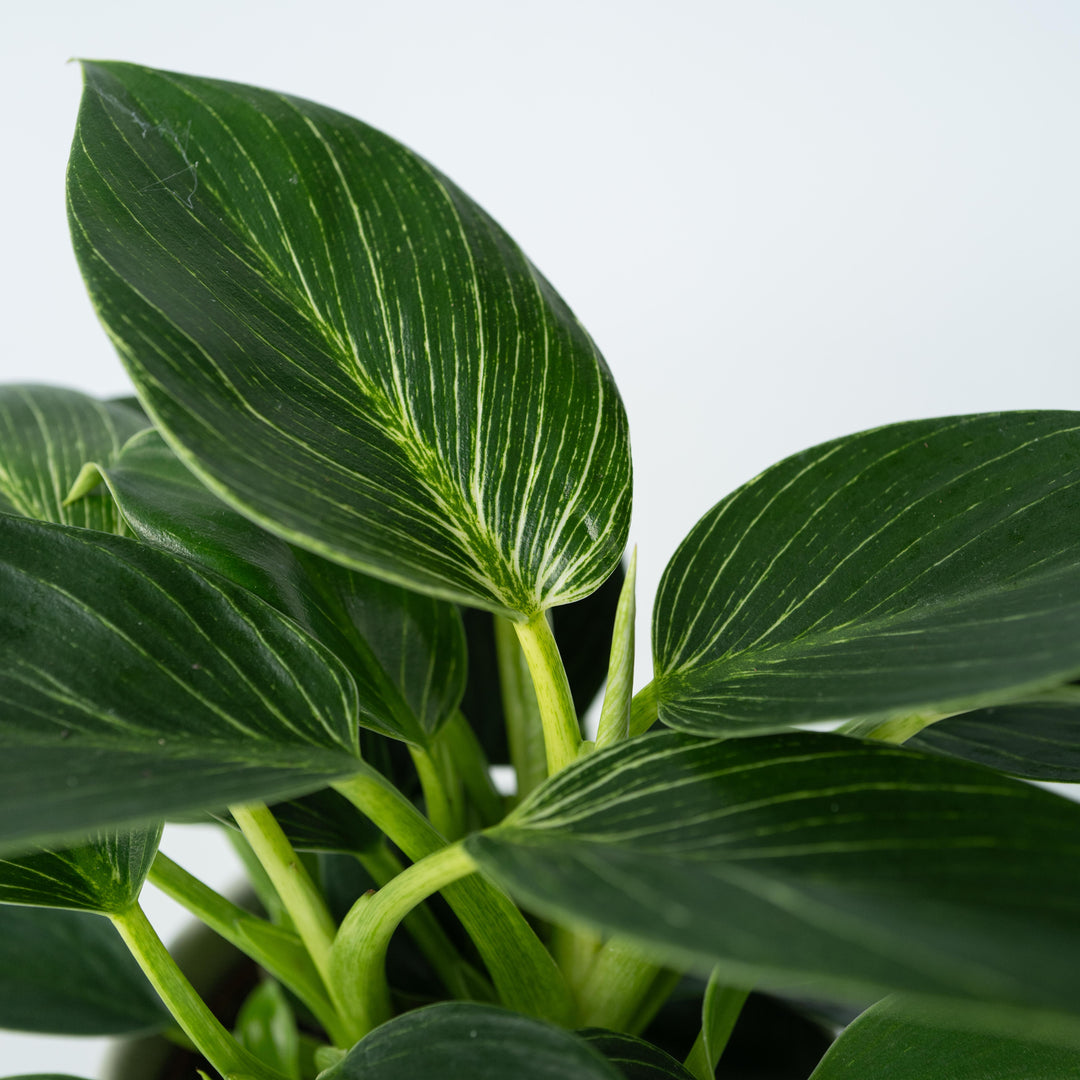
x=780 y=221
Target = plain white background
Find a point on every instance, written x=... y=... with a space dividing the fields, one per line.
x=781 y=222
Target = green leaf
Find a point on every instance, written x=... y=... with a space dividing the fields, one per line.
x=326 y=821
x=405 y=651
x=890 y=1041
x=53 y=965
x=267 y=1027
x=134 y=686
x=103 y=875
x=46 y=434
x=344 y=345
x=1037 y=740
x=927 y=565
x=803 y=856
x=459 y=1041
x=635 y=1058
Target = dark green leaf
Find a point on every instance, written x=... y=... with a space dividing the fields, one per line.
x=1036 y=740
x=635 y=1058
x=928 y=565
x=134 y=686
x=326 y=821
x=343 y=344
x=103 y=875
x=405 y=651
x=801 y=856
x=46 y=435
x=889 y=1042
x=583 y=634
x=53 y=968
x=44 y=1076
x=458 y=1041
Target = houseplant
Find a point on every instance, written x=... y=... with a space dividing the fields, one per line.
x=373 y=453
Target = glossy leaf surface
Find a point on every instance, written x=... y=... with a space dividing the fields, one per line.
x=104 y=875
x=458 y=1041
x=343 y=344
x=926 y=565
x=635 y=1058
x=134 y=686
x=46 y=434
x=1036 y=740
x=405 y=651
x=53 y=966
x=790 y=857
x=888 y=1043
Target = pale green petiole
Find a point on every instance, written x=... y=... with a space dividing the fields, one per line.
x=524 y=728
x=358 y=958
x=615 y=714
x=188 y=1009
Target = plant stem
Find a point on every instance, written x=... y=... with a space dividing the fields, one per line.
x=445 y=811
x=897 y=729
x=274 y=948
x=562 y=733
x=188 y=1009
x=460 y=978
x=660 y=989
x=615 y=714
x=643 y=710
x=524 y=728
x=522 y=970
x=471 y=764
x=298 y=892
x=358 y=960
x=719 y=1014
x=616 y=985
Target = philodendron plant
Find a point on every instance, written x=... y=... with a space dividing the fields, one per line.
x=360 y=537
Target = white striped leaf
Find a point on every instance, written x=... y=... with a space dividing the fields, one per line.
x=405 y=651
x=345 y=346
x=1039 y=740
x=464 y=1041
x=134 y=686
x=932 y=565
x=104 y=875
x=46 y=434
x=894 y=1041
x=861 y=866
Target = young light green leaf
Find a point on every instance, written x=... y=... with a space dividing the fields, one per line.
x=786 y=857
x=1039 y=740
x=923 y=566
x=405 y=651
x=460 y=1041
x=344 y=345
x=103 y=875
x=46 y=434
x=53 y=965
x=894 y=1041
x=615 y=713
x=134 y=686
x=267 y=1027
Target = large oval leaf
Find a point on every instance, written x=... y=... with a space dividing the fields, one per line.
x=343 y=344
x=927 y=565
x=134 y=686
x=460 y=1041
x=53 y=966
x=635 y=1058
x=891 y=1041
x=1039 y=740
x=405 y=651
x=104 y=875
x=799 y=856
x=46 y=434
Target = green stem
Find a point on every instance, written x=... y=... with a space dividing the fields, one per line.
x=562 y=733
x=471 y=764
x=614 y=723
x=278 y=950
x=643 y=710
x=617 y=983
x=461 y=979
x=188 y=1009
x=897 y=729
x=719 y=1014
x=524 y=728
x=359 y=955
x=299 y=894
x=445 y=811
x=661 y=988
x=522 y=970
